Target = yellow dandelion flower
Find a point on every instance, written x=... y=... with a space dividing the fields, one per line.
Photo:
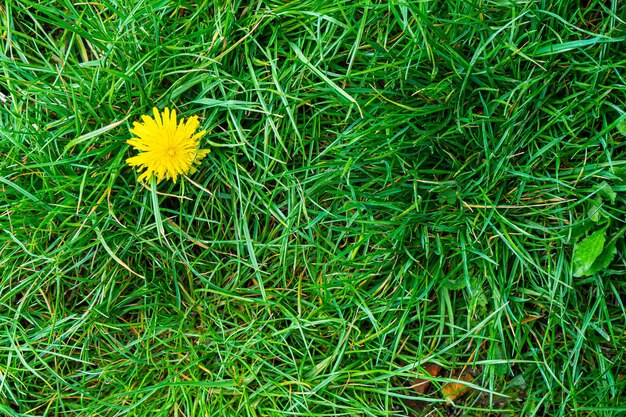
x=166 y=149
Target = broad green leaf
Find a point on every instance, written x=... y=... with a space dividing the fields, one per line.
x=516 y=388
x=578 y=230
x=604 y=190
x=619 y=179
x=587 y=251
x=607 y=255
x=593 y=211
x=449 y=196
x=602 y=261
x=454 y=284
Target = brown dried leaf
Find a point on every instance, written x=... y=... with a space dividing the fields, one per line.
x=420 y=385
x=454 y=390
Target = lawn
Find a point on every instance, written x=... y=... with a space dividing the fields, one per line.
x=410 y=208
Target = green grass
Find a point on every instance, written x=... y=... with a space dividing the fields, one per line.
x=390 y=184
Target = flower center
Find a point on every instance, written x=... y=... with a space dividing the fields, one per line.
x=171 y=151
